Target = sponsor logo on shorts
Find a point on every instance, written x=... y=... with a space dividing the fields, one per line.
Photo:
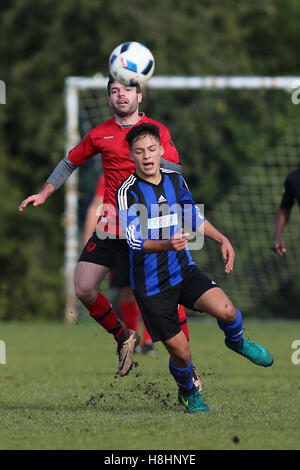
x=91 y=246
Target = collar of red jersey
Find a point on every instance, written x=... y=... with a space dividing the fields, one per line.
x=140 y=114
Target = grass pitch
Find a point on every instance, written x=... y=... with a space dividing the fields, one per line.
x=59 y=390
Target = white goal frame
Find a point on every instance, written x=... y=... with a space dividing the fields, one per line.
x=73 y=85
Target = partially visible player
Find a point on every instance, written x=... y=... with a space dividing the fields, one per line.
x=119 y=277
x=162 y=271
x=291 y=193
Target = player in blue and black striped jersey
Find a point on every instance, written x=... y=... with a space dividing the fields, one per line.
x=154 y=205
x=149 y=275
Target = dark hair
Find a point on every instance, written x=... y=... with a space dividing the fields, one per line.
x=111 y=80
x=142 y=130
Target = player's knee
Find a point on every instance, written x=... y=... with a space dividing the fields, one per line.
x=183 y=355
x=227 y=313
x=186 y=357
x=86 y=294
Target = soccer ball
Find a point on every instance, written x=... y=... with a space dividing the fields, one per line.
x=131 y=63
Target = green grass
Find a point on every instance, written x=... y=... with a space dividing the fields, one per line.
x=59 y=390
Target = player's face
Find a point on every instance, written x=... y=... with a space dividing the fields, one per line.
x=146 y=152
x=124 y=100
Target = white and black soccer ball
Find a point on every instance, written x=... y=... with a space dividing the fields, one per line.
x=131 y=63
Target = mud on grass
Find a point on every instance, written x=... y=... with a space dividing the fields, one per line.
x=144 y=393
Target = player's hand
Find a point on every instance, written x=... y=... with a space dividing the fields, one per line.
x=228 y=255
x=279 y=247
x=179 y=241
x=40 y=198
x=35 y=200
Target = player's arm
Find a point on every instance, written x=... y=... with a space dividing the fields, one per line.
x=59 y=175
x=78 y=155
x=167 y=165
x=39 y=198
x=176 y=243
x=129 y=211
x=170 y=158
x=282 y=218
x=144 y=245
x=91 y=217
x=193 y=217
x=227 y=250
x=94 y=209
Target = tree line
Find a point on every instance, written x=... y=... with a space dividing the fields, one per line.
x=44 y=41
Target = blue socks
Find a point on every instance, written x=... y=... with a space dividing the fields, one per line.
x=183 y=377
x=233 y=330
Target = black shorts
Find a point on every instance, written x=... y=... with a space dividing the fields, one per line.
x=159 y=311
x=120 y=275
x=106 y=252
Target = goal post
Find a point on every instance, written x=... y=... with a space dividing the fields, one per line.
x=74 y=86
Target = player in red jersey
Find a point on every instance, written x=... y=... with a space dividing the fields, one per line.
x=105 y=248
x=119 y=277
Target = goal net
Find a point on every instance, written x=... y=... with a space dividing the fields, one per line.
x=238 y=138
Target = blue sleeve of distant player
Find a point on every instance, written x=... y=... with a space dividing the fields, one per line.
x=130 y=226
x=191 y=213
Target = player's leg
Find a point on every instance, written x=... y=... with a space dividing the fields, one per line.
x=179 y=350
x=147 y=345
x=120 y=279
x=183 y=321
x=182 y=369
x=184 y=327
x=96 y=260
x=131 y=316
x=130 y=312
x=216 y=303
x=161 y=319
x=88 y=278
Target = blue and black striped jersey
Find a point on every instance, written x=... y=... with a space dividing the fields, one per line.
x=156 y=212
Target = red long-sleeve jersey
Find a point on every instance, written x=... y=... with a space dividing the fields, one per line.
x=109 y=139
x=100 y=188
